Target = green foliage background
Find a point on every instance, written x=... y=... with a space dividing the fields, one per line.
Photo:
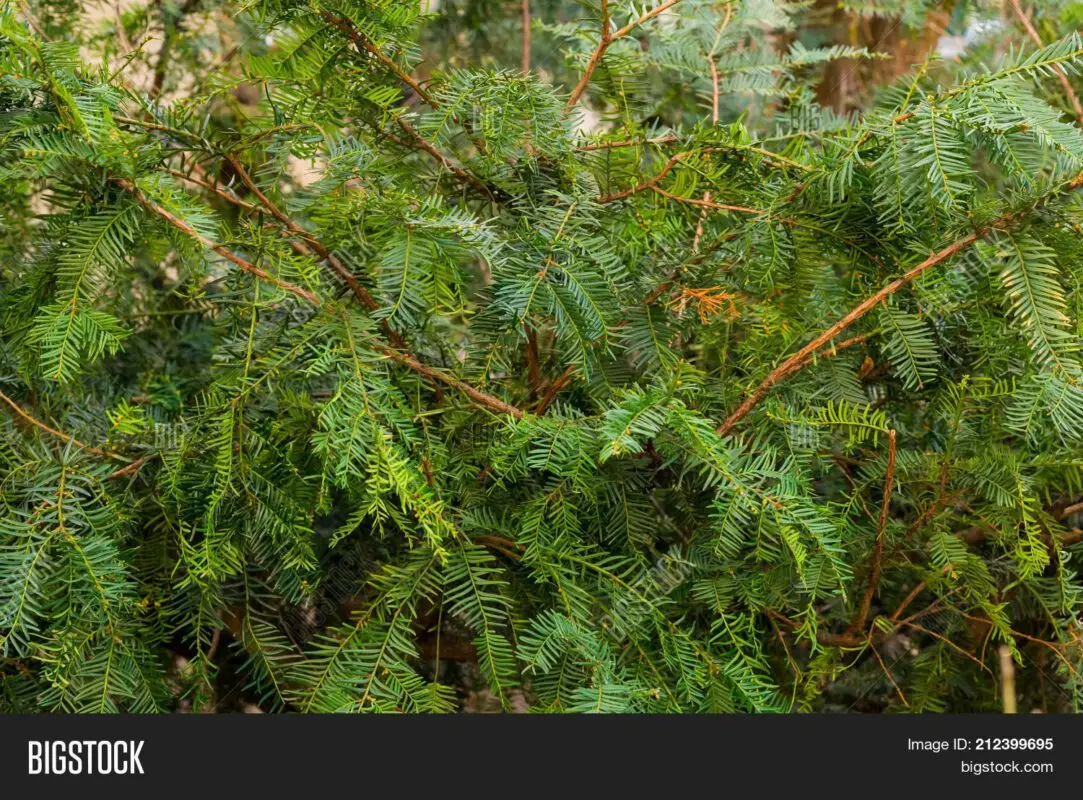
x=346 y=366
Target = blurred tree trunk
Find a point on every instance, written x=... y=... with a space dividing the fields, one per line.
x=847 y=83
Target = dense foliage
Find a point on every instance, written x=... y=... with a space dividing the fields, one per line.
x=347 y=365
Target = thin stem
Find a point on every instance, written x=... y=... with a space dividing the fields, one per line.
x=801 y=357
x=481 y=398
x=878 y=552
x=183 y=226
x=28 y=417
x=607 y=38
x=1073 y=98
x=324 y=253
x=363 y=42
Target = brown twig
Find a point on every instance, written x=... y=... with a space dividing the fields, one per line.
x=913 y=595
x=800 y=358
x=127 y=469
x=778 y=161
x=1073 y=98
x=607 y=38
x=293 y=227
x=554 y=389
x=887 y=672
x=313 y=249
x=184 y=227
x=363 y=42
x=424 y=144
x=130 y=469
x=481 y=398
x=714 y=89
x=1072 y=509
x=28 y=417
x=708 y=203
x=216 y=188
x=628 y=143
x=647 y=184
x=862 y=614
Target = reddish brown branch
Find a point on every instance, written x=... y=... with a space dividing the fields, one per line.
x=554 y=389
x=184 y=227
x=309 y=246
x=887 y=672
x=322 y=250
x=1073 y=98
x=627 y=143
x=215 y=188
x=363 y=42
x=708 y=203
x=27 y=417
x=647 y=184
x=481 y=398
x=424 y=144
x=802 y=357
x=862 y=615
x=607 y=38
x=913 y=595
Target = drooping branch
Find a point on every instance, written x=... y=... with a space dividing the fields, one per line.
x=332 y=260
x=420 y=142
x=554 y=389
x=362 y=42
x=183 y=226
x=221 y=250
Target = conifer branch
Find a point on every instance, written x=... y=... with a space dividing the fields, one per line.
x=607 y=38
x=801 y=358
x=362 y=41
x=862 y=614
x=650 y=183
x=420 y=142
x=221 y=250
x=483 y=399
x=26 y=416
x=668 y=139
x=323 y=252
x=1069 y=92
